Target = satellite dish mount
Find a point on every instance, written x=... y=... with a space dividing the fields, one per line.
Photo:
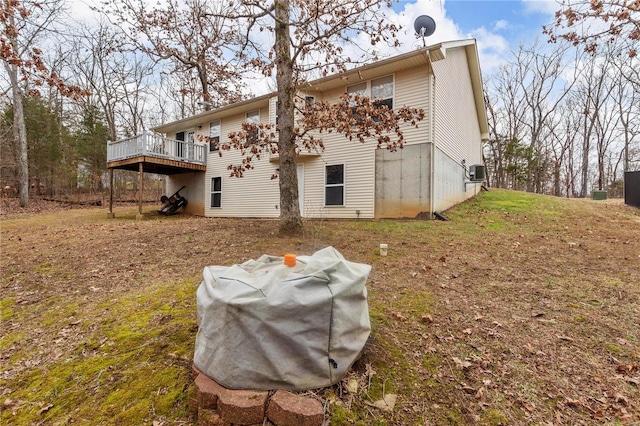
x=424 y=25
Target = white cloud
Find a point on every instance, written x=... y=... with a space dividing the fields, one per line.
x=80 y=11
x=545 y=7
x=493 y=49
x=501 y=25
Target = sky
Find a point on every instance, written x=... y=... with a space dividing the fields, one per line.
x=499 y=26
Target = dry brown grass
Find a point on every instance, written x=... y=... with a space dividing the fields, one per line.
x=523 y=309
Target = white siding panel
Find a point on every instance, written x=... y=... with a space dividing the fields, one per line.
x=457 y=130
x=358 y=160
x=412 y=90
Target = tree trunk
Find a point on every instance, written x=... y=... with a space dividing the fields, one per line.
x=290 y=220
x=585 y=162
x=556 y=178
x=19 y=135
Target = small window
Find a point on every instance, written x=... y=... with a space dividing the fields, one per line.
x=252 y=117
x=216 y=192
x=214 y=136
x=334 y=185
x=309 y=101
x=357 y=89
x=382 y=91
x=277 y=116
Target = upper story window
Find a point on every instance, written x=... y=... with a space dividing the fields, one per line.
x=253 y=117
x=382 y=91
x=379 y=90
x=309 y=101
x=357 y=89
x=214 y=136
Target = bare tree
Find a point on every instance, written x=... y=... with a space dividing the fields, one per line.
x=593 y=92
x=194 y=35
x=117 y=77
x=544 y=86
x=588 y=22
x=506 y=109
x=23 y=22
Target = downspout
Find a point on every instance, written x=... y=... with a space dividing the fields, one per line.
x=432 y=112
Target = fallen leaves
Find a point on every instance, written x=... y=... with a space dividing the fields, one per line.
x=627 y=368
x=462 y=364
x=386 y=404
x=45 y=408
x=398 y=316
x=426 y=318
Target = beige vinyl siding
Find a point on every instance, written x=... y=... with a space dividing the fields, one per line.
x=457 y=130
x=412 y=90
x=358 y=161
x=359 y=174
x=255 y=194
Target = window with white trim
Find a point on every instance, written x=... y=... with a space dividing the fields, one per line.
x=357 y=89
x=380 y=90
x=214 y=136
x=252 y=117
x=334 y=185
x=309 y=101
x=216 y=192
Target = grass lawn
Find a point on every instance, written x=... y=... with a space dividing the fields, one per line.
x=523 y=309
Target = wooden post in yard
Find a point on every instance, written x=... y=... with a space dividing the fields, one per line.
x=110 y=215
x=141 y=188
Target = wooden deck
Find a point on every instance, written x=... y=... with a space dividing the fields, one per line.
x=152 y=153
x=159 y=165
x=156 y=154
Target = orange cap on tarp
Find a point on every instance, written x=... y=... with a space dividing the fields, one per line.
x=290 y=259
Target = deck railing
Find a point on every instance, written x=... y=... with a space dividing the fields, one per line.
x=154 y=145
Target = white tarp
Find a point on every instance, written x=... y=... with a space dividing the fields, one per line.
x=264 y=325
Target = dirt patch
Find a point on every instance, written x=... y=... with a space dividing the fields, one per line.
x=522 y=309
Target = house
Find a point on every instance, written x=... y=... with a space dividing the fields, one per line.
x=439 y=166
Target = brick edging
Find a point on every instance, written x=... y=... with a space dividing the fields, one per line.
x=218 y=405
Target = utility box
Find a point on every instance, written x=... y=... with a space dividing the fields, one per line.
x=598 y=195
x=632 y=188
x=476 y=172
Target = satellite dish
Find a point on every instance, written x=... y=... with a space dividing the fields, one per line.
x=424 y=26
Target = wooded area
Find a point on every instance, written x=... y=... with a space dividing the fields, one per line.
x=564 y=116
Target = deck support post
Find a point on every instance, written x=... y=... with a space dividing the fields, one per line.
x=110 y=214
x=141 y=189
